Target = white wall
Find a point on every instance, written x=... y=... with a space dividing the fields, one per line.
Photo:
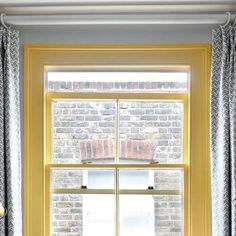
x=117 y=34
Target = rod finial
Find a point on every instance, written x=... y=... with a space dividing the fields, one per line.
x=2 y=20
x=228 y=19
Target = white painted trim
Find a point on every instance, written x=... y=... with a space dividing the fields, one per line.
x=119 y=9
x=110 y=2
x=113 y=19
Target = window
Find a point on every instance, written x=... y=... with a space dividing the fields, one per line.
x=139 y=195
x=117 y=149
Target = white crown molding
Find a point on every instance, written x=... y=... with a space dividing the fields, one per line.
x=75 y=12
x=110 y=2
x=118 y=9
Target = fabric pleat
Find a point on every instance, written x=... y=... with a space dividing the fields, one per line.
x=223 y=132
x=10 y=136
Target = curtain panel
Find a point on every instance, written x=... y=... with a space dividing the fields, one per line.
x=10 y=144
x=223 y=131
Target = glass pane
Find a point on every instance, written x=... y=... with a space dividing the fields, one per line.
x=77 y=179
x=168 y=180
x=83 y=131
x=134 y=179
x=82 y=215
x=151 y=215
x=151 y=131
x=97 y=81
x=152 y=179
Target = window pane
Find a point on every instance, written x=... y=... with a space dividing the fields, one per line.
x=151 y=215
x=152 y=179
x=133 y=179
x=77 y=179
x=151 y=131
x=83 y=131
x=161 y=82
x=168 y=180
x=84 y=215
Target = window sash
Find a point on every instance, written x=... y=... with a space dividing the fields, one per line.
x=117 y=192
x=137 y=97
x=183 y=98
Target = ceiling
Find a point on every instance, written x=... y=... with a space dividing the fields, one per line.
x=35 y=2
x=31 y=7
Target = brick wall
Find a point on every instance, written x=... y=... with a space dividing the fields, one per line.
x=67 y=215
x=168 y=209
x=85 y=131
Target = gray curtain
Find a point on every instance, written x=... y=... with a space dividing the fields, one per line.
x=223 y=131
x=10 y=146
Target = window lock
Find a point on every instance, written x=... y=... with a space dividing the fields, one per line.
x=154 y=162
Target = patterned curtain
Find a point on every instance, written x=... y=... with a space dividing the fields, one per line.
x=10 y=146
x=223 y=131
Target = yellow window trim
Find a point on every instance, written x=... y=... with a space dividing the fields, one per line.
x=133 y=57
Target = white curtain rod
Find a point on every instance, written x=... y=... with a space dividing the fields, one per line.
x=114 y=19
